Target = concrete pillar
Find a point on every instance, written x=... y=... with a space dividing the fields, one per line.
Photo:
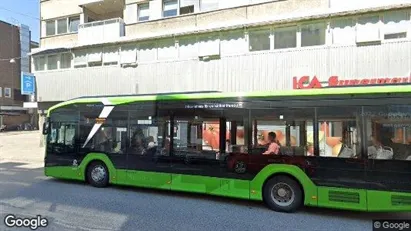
x=41 y=120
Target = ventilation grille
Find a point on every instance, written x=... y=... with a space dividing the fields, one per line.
x=397 y=200
x=346 y=197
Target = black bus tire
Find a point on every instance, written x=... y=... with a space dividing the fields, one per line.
x=283 y=194
x=97 y=174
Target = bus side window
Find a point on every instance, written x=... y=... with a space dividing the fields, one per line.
x=339 y=133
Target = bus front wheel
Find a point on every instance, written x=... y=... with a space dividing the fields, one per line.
x=97 y=174
x=283 y=194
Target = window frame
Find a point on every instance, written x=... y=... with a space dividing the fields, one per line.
x=54 y=27
x=9 y=95
x=177 y=8
x=61 y=58
x=147 y=4
x=68 y=24
x=57 y=62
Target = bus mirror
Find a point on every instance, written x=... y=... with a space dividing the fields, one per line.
x=45 y=127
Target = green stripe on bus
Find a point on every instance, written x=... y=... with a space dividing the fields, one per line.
x=281 y=93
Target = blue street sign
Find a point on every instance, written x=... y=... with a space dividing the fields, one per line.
x=27 y=84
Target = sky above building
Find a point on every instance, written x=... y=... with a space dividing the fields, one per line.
x=22 y=12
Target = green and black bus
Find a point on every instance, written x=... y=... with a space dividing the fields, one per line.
x=345 y=147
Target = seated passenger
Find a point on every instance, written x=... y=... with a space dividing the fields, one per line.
x=273 y=147
x=150 y=141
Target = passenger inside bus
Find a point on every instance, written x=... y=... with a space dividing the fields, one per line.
x=274 y=147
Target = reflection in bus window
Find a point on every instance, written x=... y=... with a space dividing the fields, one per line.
x=388 y=132
x=339 y=132
x=292 y=127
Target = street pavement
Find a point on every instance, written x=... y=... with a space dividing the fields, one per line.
x=26 y=192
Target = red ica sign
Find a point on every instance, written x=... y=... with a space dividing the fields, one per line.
x=306 y=83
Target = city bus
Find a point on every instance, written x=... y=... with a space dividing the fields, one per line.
x=342 y=148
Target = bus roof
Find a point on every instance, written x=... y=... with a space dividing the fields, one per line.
x=335 y=91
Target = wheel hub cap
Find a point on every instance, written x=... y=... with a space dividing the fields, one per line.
x=98 y=174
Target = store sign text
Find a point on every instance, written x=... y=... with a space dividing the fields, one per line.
x=306 y=83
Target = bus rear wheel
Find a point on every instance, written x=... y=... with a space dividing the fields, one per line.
x=97 y=174
x=283 y=194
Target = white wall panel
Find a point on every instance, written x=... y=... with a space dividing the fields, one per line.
x=269 y=70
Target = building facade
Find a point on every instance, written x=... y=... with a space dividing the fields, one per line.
x=106 y=47
x=14 y=49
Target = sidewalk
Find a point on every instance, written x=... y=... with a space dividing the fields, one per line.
x=21 y=146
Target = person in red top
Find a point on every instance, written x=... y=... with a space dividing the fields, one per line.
x=273 y=148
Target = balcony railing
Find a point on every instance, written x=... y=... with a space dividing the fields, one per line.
x=101 y=31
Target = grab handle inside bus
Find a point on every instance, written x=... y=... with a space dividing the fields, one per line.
x=46 y=126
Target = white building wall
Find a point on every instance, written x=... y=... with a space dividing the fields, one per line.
x=260 y=71
x=358 y=4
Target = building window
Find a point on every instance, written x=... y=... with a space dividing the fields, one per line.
x=52 y=62
x=313 y=35
x=343 y=31
x=65 y=60
x=259 y=40
x=1 y=92
x=39 y=63
x=62 y=26
x=233 y=42
x=396 y=24
x=143 y=12
x=208 y=5
x=368 y=28
x=110 y=56
x=170 y=8
x=74 y=22
x=50 y=27
x=7 y=92
x=167 y=50
x=147 y=52
x=285 y=38
x=187 y=6
x=188 y=47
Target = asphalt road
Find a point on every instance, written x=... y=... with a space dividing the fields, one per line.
x=25 y=192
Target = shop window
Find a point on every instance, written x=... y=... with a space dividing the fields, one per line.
x=259 y=40
x=285 y=38
x=50 y=27
x=292 y=128
x=313 y=35
x=52 y=62
x=388 y=132
x=143 y=12
x=339 y=132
